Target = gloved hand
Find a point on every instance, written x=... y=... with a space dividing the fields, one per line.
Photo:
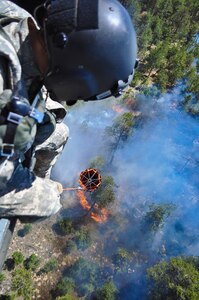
x=59 y=187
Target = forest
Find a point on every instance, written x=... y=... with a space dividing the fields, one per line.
x=137 y=236
x=167 y=34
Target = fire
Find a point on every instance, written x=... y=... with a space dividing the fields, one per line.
x=83 y=201
x=99 y=218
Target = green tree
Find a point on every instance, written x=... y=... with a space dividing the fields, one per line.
x=84 y=271
x=194 y=260
x=65 y=286
x=167 y=43
x=33 y=262
x=176 y=279
x=67 y=297
x=25 y=230
x=156 y=215
x=191 y=102
x=119 y=132
x=86 y=289
x=66 y=226
x=107 y=292
x=97 y=163
x=105 y=194
x=108 y=181
x=18 y=258
x=22 y=283
x=70 y=247
x=51 y=265
x=82 y=238
x=122 y=259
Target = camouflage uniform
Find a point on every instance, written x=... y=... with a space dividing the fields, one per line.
x=22 y=193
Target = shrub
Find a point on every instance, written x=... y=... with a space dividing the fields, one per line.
x=86 y=289
x=18 y=258
x=67 y=297
x=33 y=262
x=50 y=266
x=22 y=283
x=107 y=292
x=70 y=247
x=84 y=271
x=66 y=225
x=122 y=259
x=66 y=285
x=25 y=230
x=82 y=238
x=175 y=279
x=155 y=217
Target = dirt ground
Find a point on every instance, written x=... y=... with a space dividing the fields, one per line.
x=46 y=242
x=43 y=241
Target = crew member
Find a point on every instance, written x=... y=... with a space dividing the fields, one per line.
x=74 y=50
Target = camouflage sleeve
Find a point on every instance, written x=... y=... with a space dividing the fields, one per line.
x=48 y=152
x=10 y=9
x=23 y=194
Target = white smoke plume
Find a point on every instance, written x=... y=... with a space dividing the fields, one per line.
x=159 y=164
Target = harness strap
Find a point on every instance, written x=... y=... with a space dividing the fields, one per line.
x=7 y=148
x=16 y=109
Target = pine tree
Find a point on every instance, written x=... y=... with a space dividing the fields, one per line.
x=176 y=279
x=120 y=131
x=167 y=41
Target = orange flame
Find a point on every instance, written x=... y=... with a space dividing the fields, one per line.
x=100 y=218
x=83 y=201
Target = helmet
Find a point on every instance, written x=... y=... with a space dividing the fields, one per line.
x=92 y=48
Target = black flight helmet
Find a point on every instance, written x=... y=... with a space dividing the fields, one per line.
x=92 y=48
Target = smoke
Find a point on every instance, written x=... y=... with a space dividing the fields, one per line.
x=158 y=164
x=86 y=122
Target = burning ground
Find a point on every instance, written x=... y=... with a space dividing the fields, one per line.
x=155 y=215
x=158 y=166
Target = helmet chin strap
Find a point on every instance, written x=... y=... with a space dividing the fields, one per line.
x=120 y=87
